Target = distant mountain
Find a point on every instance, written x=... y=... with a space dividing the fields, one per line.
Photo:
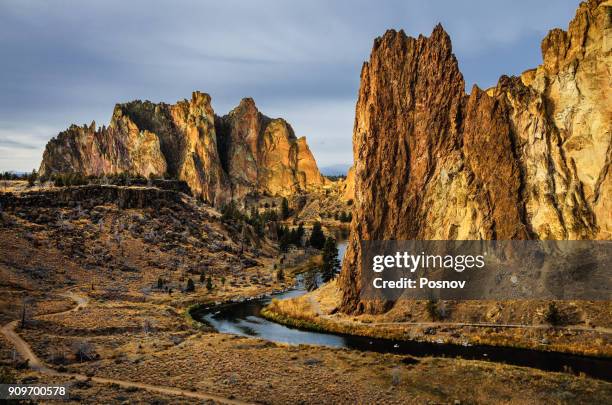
x=340 y=169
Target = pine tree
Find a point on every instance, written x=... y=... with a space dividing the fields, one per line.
x=285 y=209
x=299 y=234
x=317 y=238
x=209 y=284
x=32 y=178
x=280 y=275
x=284 y=242
x=190 y=286
x=331 y=263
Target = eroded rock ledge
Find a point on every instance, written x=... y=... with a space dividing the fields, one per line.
x=91 y=196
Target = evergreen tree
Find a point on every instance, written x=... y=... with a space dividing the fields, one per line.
x=202 y=278
x=331 y=263
x=231 y=212
x=285 y=241
x=270 y=216
x=190 y=286
x=32 y=178
x=160 y=283
x=209 y=284
x=317 y=238
x=285 y=209
x=280 y=231
x=256 y=221
x=293 y=237
x=280 y=275
x=299 y=234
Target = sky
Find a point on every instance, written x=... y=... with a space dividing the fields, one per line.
x=64 y=62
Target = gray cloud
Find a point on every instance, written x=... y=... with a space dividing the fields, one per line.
x=70 y=61
x=10 y=144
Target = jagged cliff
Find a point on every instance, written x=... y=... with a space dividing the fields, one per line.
x=219 y=157
x=260 y=153
x=529 y=158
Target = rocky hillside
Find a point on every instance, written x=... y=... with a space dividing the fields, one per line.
x=219 y=158
x=526 y=159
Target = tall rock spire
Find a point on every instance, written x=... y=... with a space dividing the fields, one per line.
x=529 y=158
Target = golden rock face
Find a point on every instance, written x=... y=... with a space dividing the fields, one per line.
x=349 y=185
x=527 y=159
x=264 y=154
x=219 y=157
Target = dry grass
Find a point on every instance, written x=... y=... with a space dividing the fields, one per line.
x=132 y=332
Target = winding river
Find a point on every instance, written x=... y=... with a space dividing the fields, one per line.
x=243 y=318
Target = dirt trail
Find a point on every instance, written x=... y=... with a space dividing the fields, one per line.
x=35 y=363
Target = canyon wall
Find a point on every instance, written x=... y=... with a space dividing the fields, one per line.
x=220 y=158
x=527 y=159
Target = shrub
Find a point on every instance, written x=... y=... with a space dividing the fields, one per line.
x=310 y=281
x=552 y=315
x=7 y=376
x=432 y=310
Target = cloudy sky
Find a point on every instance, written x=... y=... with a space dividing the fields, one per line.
x=66 y=62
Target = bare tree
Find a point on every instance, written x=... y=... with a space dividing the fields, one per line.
x=147 y=326
x=118 y=238
x=24 y=311
x=84 y=351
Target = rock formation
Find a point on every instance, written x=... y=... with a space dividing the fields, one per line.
x=219 y=158
x=527 y=159
x=263 y=154
x=349 y=185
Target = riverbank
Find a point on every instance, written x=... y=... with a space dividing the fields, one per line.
x=317 y=311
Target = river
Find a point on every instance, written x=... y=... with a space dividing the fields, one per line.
x=243 y=318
